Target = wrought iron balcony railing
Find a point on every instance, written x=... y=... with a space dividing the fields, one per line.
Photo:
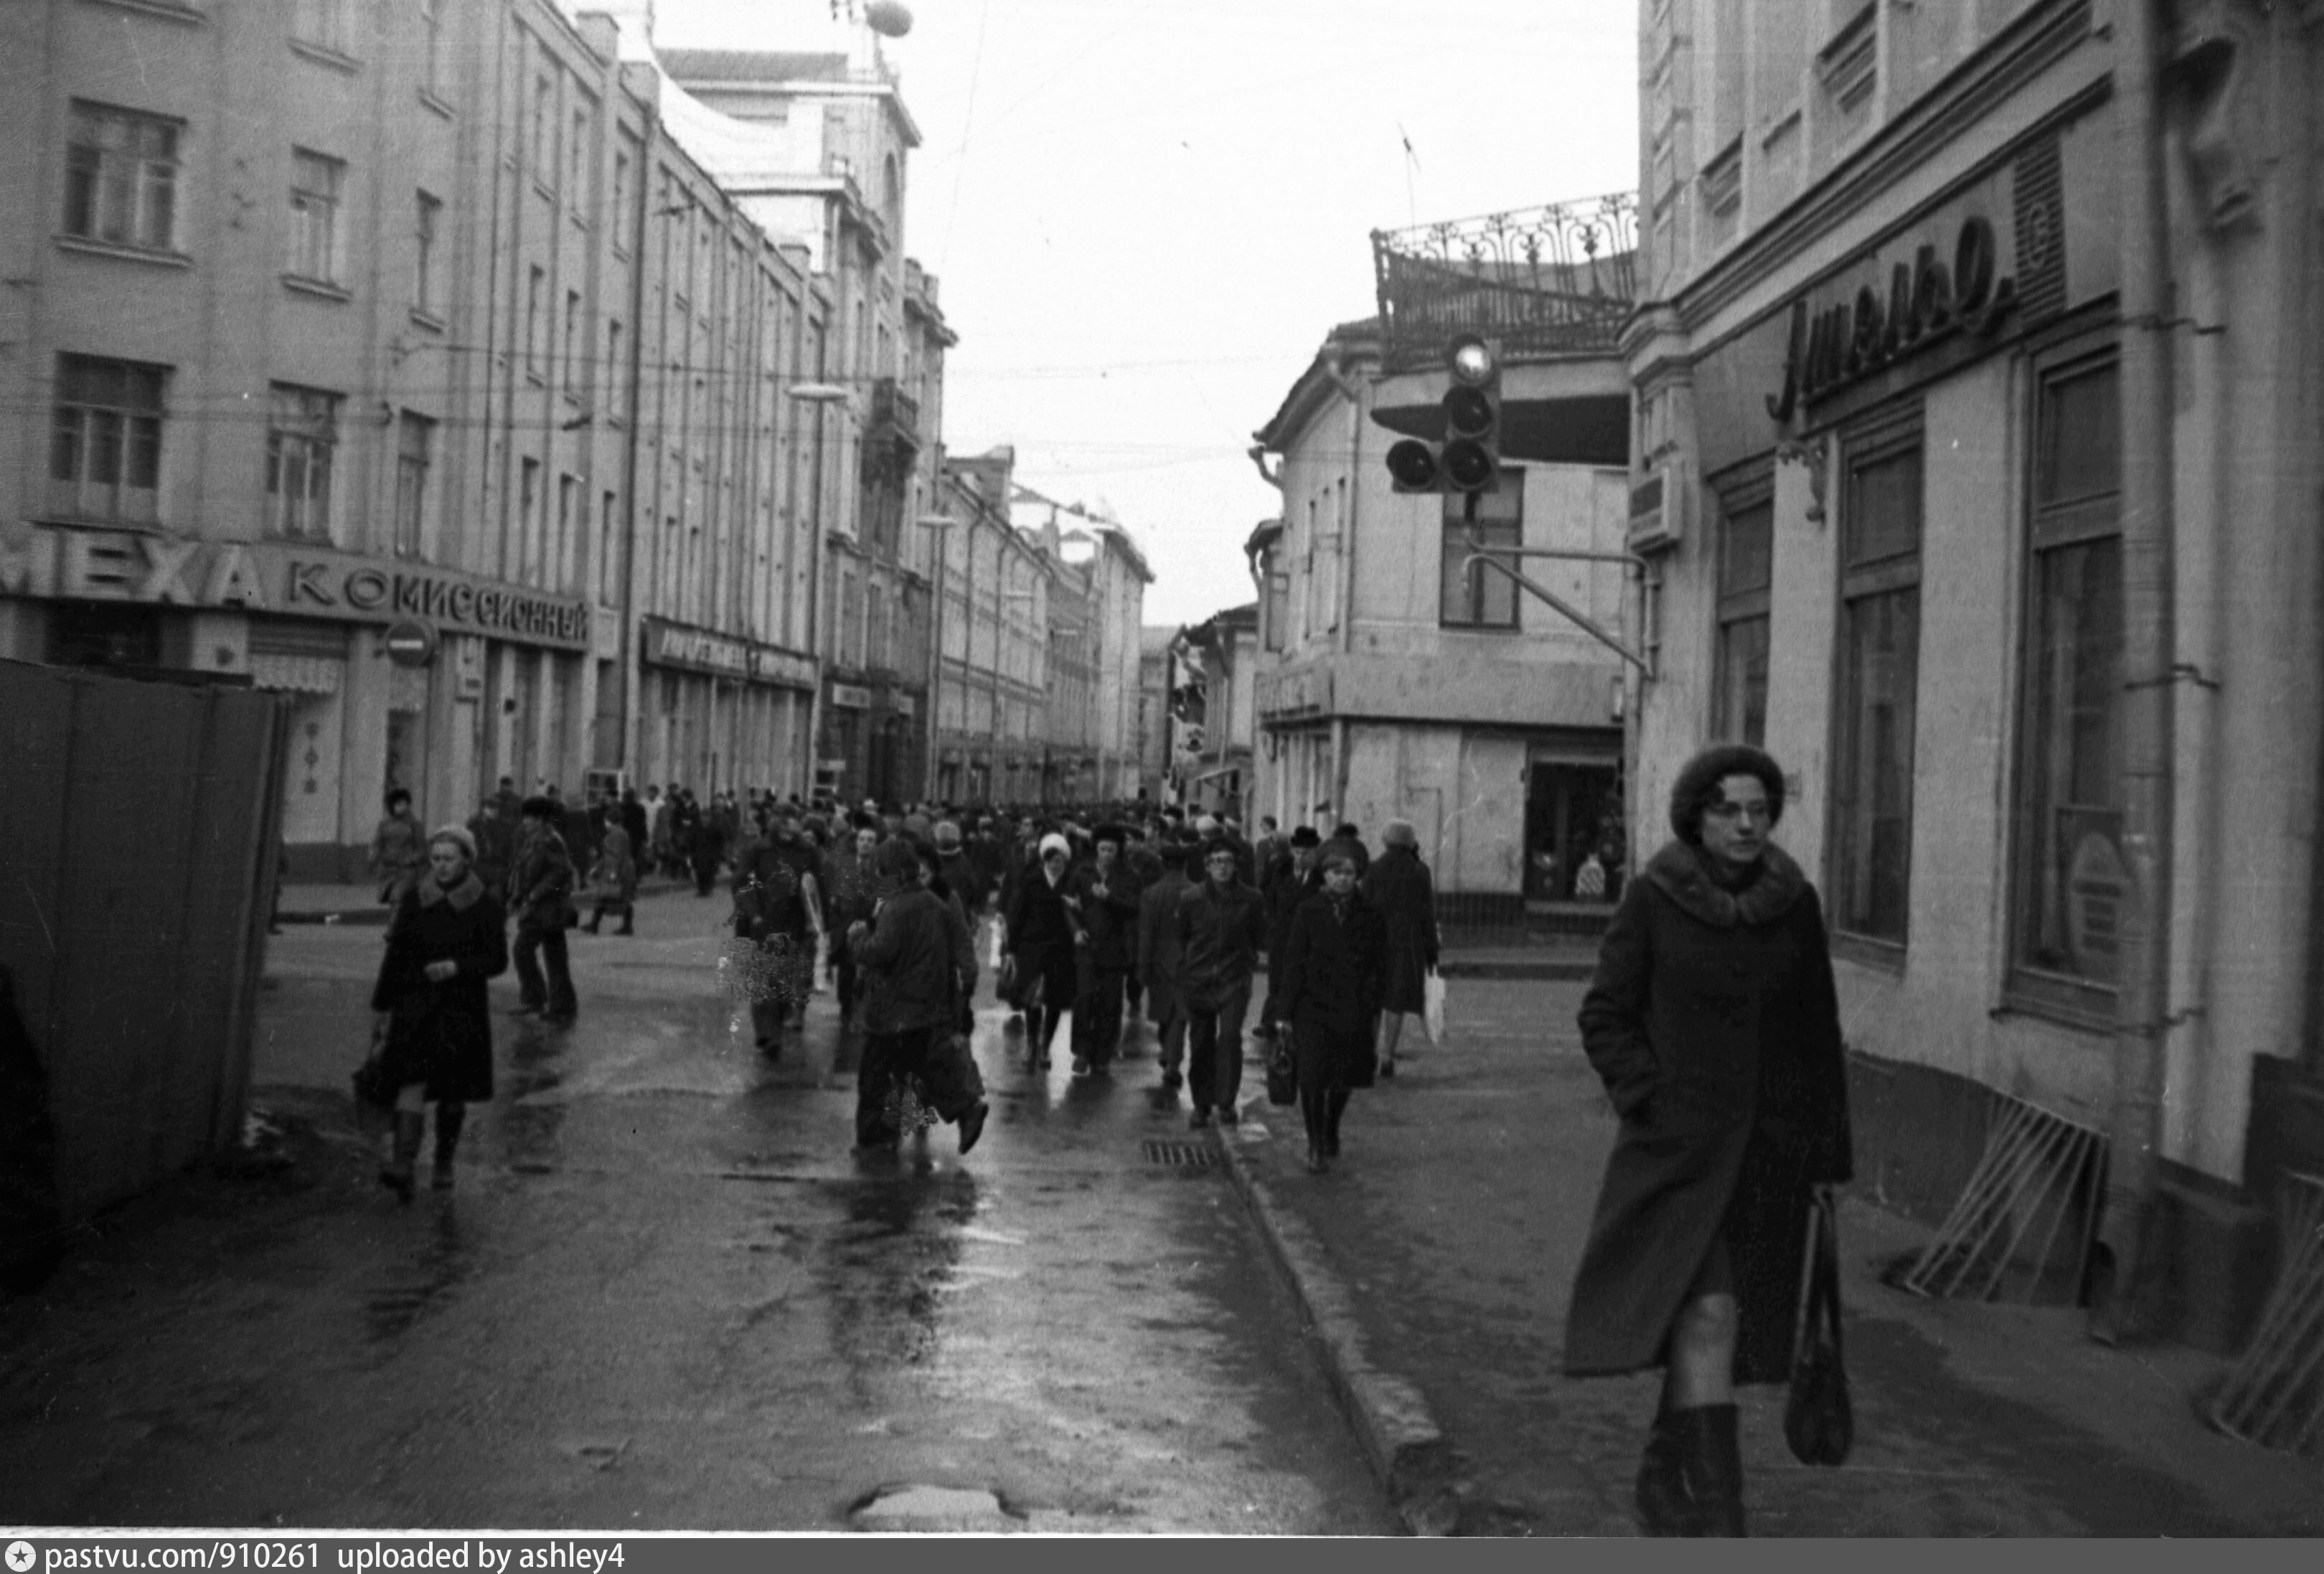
x=1555 y=280
x=895 y=411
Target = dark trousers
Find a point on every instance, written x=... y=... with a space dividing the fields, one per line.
x=604 y=904
x=1097 y=1012
x=887 y=1059
x=706 y=876
x=533 y=947
x=1048 y=981
x=850 y=991
x=1322 y=1053
x=1214 y=1041
x=1169 y=1023
x=781 y=1000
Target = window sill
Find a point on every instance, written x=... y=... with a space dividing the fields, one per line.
x=167 y=10
x=2055 y=998
x=124 y=253
x=429 y=101
x=1499 y=630
x=547 y=192
x=322 y=289
x=421 y=317
x=323 y=55
x=535 y=378
x=1887 y=956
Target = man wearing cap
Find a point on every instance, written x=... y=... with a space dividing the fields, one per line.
x=1108 y=916
x=1220 y=928
x=1294 y=881
x=540 y=888
x=1044 y=942
x=959 y=869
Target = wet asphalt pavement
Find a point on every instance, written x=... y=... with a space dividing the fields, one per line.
x=666 y=1295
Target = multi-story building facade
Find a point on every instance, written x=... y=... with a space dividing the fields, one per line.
x=1398 y=678
x=1214 y=677
x=1118 y=576
x=992 y=621
x=412 y=362
x=1977 y=464
x=1069 y=769
x=1154 y=711
x=814 y=144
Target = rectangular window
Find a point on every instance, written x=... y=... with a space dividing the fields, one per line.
x=323 y=22
x=570 y=522
x=608 y=566
x=576 y=160
x=1879 y=640
x=616 y=384
x=572 y=347
x=529 y=521
x=427 y=214
x=1473 y=595
x=2073 y=878
x=544 y=129
x=121 y=177
x=1278 y=611
x=302 y=432
x=535 y=282
x=619 y=218
x=431 y=59
x=316 y=182
x=415 y=438
x=105 y=440
x=875 y=628
x=1746 y=571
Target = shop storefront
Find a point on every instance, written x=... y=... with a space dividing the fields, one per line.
x=399 y=674
x=719 y=713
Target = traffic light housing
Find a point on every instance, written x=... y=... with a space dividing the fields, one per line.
x=1469 y=459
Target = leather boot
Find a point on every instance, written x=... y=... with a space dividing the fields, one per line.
x=1714 y=1470
x=396 y=1174
x=451 y=1116
x=1335 y=1106
x=1663 y=1505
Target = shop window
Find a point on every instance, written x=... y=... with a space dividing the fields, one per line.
x=316 y=183
x=2071 y=876
x=121 y=177
x=97 y=634
x=105 y=440
x=1745 y=573
x=1472 y=596
x=415 y=440
x=1879 y=640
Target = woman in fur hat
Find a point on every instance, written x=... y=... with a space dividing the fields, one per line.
x=1713 y=1022
x=448 y=938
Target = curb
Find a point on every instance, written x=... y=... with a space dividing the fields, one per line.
x=1408 y=1452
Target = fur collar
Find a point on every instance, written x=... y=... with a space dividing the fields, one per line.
x=1683 y=874
x=462 y=896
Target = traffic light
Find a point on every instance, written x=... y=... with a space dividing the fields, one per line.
x=1469 y=459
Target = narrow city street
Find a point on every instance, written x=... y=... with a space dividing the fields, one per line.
x=666 y=1295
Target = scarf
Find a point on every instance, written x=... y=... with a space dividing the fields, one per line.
x=1685 y=875
x=463 y=895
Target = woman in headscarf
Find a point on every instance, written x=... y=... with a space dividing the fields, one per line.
x=1399 y=887
x=1044 y=930
x=447 y=939
x=1330 y=994
x=1713 y=1022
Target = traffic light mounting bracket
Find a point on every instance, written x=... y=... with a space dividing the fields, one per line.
x=1490 y=557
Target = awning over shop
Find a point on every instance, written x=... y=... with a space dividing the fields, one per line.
x=296 y=674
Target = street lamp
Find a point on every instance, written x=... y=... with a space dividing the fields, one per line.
x=940 y=524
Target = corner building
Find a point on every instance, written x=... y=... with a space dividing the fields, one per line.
x=1886 y=374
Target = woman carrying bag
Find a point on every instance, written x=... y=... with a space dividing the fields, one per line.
x=434 y=1025
x=1713 y=1022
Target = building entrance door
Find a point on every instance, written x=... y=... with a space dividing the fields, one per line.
x=1573 y=833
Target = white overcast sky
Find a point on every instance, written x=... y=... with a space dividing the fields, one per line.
x=1146 y=214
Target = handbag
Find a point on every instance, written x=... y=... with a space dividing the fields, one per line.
x=1433 y=1008
x=1818 y=1421
x=1282 y=1071
x=372 y=1088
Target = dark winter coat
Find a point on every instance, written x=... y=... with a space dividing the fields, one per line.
x=1038 y=917
x=1397 y=884
x=1111 y=920
x=541 y=884
x=441 y=1033
x=1220 y=934
x=1158 y=932
x=1328 y=982
x=916 y=958
x=1713 y=1022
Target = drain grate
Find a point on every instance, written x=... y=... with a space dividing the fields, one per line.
x=1185 y=1155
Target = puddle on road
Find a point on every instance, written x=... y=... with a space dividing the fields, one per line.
x=889 y=1263
x=442 y=1265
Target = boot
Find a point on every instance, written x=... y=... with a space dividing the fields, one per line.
x=1336 y=1106
x=451 y=1116
x=1714 y=1462
x=396 y=1174
x=1663 y=1509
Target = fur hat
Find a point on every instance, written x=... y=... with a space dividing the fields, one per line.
x=1399 y=833
x=1697 y=785
x=1053 y=842
x=1305 y=836
x=458 y=836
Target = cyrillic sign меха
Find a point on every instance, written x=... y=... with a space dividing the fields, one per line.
x=282 y=578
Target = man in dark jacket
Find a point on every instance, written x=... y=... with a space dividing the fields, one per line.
x=1108 y=915
x=1157 y=959
x=634 y=821
x=919 y=968
x=1294 y=881
x=541 y=889
x=1220 y=928
x=496 y=834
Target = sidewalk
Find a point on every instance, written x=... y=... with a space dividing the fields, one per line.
x=1436 y=1260
x=360 y=903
